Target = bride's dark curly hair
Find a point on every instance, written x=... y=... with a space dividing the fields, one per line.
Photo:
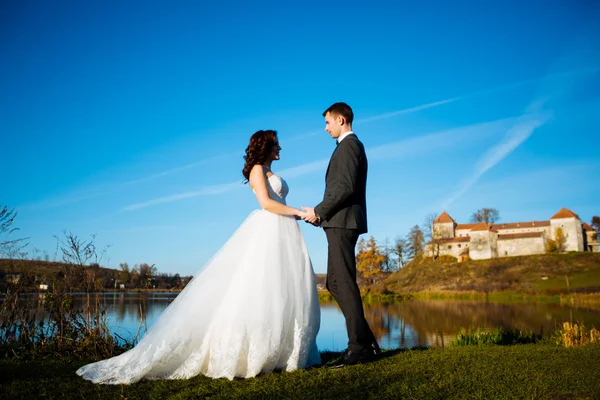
x=261 y=144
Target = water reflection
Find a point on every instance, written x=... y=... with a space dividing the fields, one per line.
x=436 y=322
x=402 y=324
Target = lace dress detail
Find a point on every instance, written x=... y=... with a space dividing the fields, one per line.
x=253 y=308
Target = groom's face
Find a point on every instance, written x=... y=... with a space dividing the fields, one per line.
x=333 y=125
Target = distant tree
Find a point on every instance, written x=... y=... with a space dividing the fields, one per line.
x=369 y=259
x=415 y=241
x=146 y=272
x=432 y=234
x=558 y=242
x=125 y=275
x=135 y=277
x=487 y=215
x=399 y=250
x=560 y=239
x=176 y=282
x=388 y=262
x=550 y=245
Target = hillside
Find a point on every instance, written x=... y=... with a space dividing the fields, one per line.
x=36 y=267
x=543 y=274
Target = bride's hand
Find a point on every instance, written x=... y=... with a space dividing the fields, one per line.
x=300 y=214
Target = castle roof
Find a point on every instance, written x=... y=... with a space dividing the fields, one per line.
x=564 y=213
x=482 y=226
x=514 y=225
x=520 y=235
x=444 y=218
x=466 y=226
x=587 y=227
x=458 y=239
x=507 y=225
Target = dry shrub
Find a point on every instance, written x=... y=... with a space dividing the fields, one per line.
x=573 y=335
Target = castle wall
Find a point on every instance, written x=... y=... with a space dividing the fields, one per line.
x=483 y=245
x=521 y=246
x=501 y=231
x=452 y=249
x=447 y=249
x=463 y=232
x=572 y=230
x=444 y=230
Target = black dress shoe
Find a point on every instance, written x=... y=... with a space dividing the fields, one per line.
x=338 y=362
x=351 y=358
x=375 y=348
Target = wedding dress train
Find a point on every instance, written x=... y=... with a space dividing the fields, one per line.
x=252 y=309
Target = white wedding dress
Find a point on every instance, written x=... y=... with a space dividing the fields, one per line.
x=252 y=309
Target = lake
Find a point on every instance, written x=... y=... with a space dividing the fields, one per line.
x=397 y=325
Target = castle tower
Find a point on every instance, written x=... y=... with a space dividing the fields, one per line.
x=571 y=226
x=443 y=226
x=484 y=242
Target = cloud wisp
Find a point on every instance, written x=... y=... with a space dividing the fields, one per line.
x=423 y=144
x=513 y=138
x=552 y=88
x=91 y=193
x=205 y=191
x=438 y=103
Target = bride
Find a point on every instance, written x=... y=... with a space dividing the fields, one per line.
x=252 y=309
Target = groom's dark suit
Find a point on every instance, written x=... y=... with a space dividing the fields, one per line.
x=343 y=213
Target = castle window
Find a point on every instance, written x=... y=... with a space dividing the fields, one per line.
x=449 y=246
x=459 y=245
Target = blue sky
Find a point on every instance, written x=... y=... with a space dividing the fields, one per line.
x=130 y=120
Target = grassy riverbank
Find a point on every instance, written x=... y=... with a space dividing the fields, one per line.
x=522 y=371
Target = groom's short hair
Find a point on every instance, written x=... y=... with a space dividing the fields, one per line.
x=342 y=109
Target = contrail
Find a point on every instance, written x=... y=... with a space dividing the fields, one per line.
x=513 y=139
x=206 y=191
x=413 y=145
x=88 y=195
x=524 y=128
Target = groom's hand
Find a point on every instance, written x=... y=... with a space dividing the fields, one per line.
x=310 y=217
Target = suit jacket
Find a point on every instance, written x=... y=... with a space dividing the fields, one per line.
x=344 y=203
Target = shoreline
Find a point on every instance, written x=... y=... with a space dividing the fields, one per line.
x=573 y=299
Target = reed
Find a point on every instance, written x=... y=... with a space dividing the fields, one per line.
x=48 y=324
x=576 y=334
x=498 y=336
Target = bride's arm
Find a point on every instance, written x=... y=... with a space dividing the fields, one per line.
x=258 y=182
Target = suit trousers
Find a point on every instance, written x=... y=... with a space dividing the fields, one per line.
x=341 y=283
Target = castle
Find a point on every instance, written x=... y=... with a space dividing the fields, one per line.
x=480 y=241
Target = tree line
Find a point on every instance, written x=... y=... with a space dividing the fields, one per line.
x=76 y=265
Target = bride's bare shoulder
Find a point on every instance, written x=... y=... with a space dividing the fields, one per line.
x=257 y=174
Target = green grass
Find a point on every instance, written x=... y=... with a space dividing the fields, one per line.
x=539 y=371
x=589 y=278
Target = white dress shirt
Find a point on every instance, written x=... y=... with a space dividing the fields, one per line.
x=343 y=136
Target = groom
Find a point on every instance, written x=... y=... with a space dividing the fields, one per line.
x=343 y=216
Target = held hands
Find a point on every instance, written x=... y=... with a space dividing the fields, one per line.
x=310 y=217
